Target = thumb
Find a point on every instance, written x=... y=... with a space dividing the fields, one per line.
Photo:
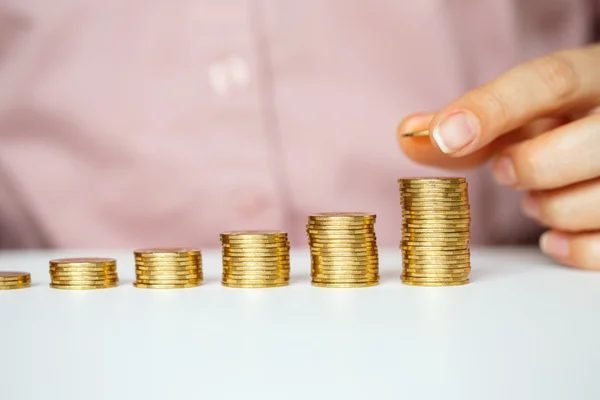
x=423 y=151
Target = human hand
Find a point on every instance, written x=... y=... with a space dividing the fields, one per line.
x=541 y=123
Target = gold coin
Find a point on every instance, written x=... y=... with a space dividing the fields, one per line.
x=342 y=215
x=437 y=267
x=14 y=275
x=256 y=277
x=430 y=181
x=409 y=200
x=429 y=279
x=254 y=286
x=341 y=242
x=256 y=254
x=83 y=287
x=248 y=285
x=253 y=233
x=344 y=285
x=14 y=287
x=437 y=226
x=434 y=261
x=460 y=233
x=343 y=226
x=15 y=283
x=83 y=261
x=415 y=134
x=418 y=236
x=413 y=283
x=70 y=276
x=157 y=286
x=434 y=275
x=320 y=278
x=258 y=238
x=314 y=233
x=344 y=275
x=250 y=257
x=86 y=282
x=427 y=192
x=431 y=250
x=168 y=277
x=244 y=275
x=342 y=236
x=168 y=272
x=168 y=267
x=325 y=264
x=168 y=282
x=174 y=260
x=334 y=261
x=256 y=246
x=351 y=283
x=354 y=229
x=345 y=255
x=440 y=268
x=252 y=263
x=155 y=271
x=167 y=251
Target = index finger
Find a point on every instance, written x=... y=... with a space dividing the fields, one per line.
x=563 y=82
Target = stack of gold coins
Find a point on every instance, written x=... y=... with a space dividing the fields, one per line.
x=343 y=250
x=14 y=280
x=435 y=231
x=83 y=273
x=255 y=259
x=170 y=268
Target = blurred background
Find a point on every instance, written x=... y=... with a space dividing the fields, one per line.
x=129 y=123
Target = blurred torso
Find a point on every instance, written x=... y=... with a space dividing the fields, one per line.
x=136 y=123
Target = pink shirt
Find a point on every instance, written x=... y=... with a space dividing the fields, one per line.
x=127 y=123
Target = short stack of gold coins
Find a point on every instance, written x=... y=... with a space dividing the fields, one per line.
x=14 y=280
x=343 y=250
x=435 y=231
x=255 y=259
x=83 y=273
x=168 y=268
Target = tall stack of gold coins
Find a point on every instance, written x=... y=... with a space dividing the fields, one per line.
x=83 y=273
x=435 y=231
x=14 y=280
x=255 y=259
x=343 y=250
x=168 y=268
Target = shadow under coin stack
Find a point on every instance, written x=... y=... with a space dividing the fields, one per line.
x=343 y=250
x=171 y=268
x=435 y=231
x=14 y=280
x=83 y=273
x=255 y=259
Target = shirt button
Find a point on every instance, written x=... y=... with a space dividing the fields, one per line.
x=226 y=75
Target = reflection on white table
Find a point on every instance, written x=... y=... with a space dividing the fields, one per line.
x=524 y=329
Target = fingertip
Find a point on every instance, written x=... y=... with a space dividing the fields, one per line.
x=579 y=250
x=414 y=122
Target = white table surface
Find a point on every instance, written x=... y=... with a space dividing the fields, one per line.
x=524 y=329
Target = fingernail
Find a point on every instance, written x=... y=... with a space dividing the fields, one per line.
x=456 y=131
x=531 y=206
x=504 y=171
x=555 y=244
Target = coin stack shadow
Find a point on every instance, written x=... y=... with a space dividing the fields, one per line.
x=14 y=280
x=83 y=273
x=255 y=259
x=168 y=268
x=435 y=231
x=343 y=250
